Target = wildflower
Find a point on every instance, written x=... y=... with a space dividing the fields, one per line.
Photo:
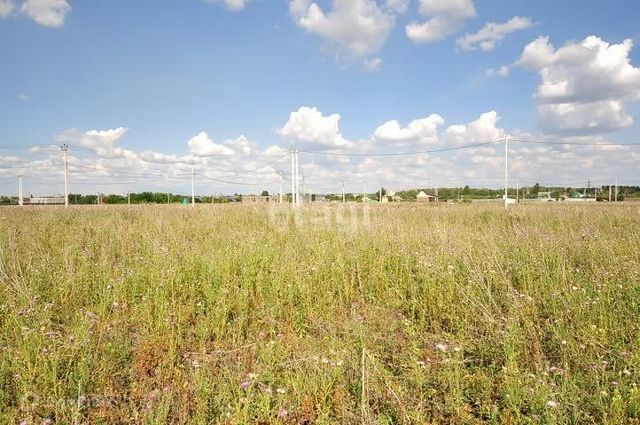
x=420 y=363
x=626 y=372
x=47 y=421
x=283 y=414
x=442 y=346
x=555 y=370
x=245 y=384
x=281 y=391
x=552 y=404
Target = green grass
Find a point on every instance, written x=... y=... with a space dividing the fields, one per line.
x=413 y=314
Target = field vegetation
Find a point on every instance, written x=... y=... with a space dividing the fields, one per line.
x=377 y=315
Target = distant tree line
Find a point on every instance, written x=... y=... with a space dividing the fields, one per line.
x=465 y=193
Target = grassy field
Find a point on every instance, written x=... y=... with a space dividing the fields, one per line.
x=397 y=314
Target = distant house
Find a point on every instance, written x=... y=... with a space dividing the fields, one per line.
x=509 y=201
x=258 y=199
x=424 y=197
x=545 y=196
x=44 y=200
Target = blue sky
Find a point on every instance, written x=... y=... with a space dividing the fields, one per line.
x=168 y=71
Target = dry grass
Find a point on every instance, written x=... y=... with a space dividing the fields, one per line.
x=459 y=314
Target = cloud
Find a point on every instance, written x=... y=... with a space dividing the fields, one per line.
x=487 y=38
x=6 y=7
x=235 y=5
x=202 y=145
x=422 y=131
x=353 y=30
x=484 y=129
x=48 y=13
x=444 y=19
x=372 y=65
x=104 y=166
x=397 y=6
x=309 y=127
x=503 y=72
x=23 y=97
x=584 y=86
x=101 y=142
x=588 y=118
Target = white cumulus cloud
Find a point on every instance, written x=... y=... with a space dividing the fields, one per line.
x=487 y=38
x=6 y=7
x=352 y=29
x=444 y=18
x=309 y=127
x=422 y=131
x=203 y=145
x=484 y=129
x=102 y=142
x=48 y=13
x=584 y=85
x=235 y=5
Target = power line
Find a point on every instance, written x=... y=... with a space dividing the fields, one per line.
x=543 y=142
x=237 y=173
x=475 y=145
x=16 y=167
x=26 y=147
x=155 y=173
x=231 y=182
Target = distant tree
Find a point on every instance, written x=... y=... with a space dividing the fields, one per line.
x=265 y=193
x=535 y=189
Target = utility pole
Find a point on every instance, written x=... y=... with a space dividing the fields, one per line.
x=586 y=189
x=343 y=196
x=304 y=190
x=65 y=149
x=458 y=195
x=506 y=171
x=380 y=197
x=129 y=198
x=616 y=192
x=293 y=178
x=20 y=194
x=193 y=184
x=280 y=197
x=609 y=193
x=297 y=170
x=517 y=191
